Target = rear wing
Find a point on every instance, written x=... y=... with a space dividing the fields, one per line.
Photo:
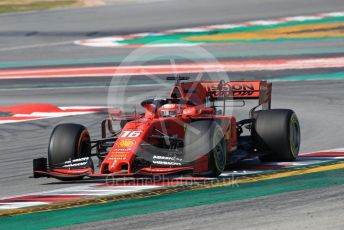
x=240 y=90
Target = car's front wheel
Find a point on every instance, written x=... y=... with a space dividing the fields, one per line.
x=205 y=138
x=68 y=142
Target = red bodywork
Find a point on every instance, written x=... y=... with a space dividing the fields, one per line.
x=120 y=160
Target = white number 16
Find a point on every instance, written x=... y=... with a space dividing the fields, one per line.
x=131 y=133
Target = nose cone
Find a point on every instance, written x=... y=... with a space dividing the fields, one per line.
x=123 y=151
x=118 y=166
x=120 y=156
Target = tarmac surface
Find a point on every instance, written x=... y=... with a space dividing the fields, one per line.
x=49 y=35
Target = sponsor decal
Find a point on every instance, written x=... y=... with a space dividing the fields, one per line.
x=77 y=160
x=125 y=143
x=232 y=90
x=167 y=163
x=167 y=158
x=118 y=156
x=80 y=162
x=75 y=165
x=117 y=150
x=164 y=160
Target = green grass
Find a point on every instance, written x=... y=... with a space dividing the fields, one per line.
x=21 y=6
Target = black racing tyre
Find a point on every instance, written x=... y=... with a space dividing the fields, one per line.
x=277 y=135
x=206 y=138
x=68 y=142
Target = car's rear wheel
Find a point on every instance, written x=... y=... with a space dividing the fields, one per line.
x=277 y=135
x=68 y=142
x=205 y=138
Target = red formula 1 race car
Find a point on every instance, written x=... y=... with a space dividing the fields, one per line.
x=187 y=132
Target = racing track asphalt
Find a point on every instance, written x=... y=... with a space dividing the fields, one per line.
x=319 y=111
x=48 y=36
x=320 y=114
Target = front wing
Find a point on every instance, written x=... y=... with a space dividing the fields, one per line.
x=79 y=169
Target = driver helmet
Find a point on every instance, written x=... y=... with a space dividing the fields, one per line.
x=169 y=110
